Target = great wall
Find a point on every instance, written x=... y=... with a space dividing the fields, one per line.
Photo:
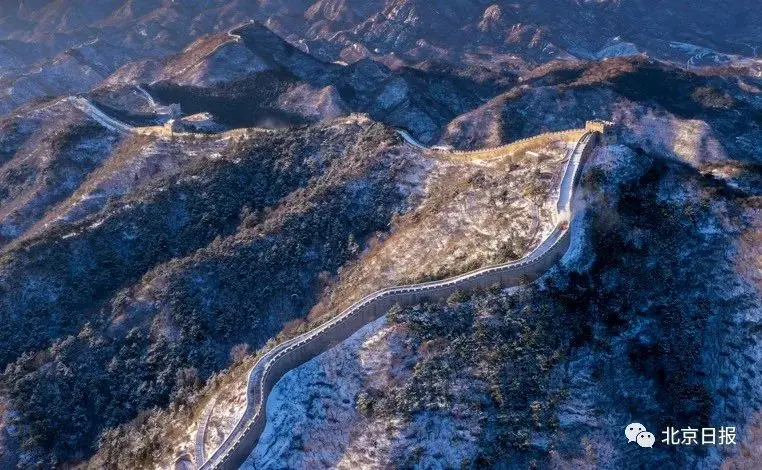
x=275 y=363
x=517 y=146
x=167 y=130
x=605 y=128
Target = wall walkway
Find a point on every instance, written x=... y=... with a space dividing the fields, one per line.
x=294 y=352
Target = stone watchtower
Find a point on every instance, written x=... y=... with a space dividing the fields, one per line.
x=607 y=129
x=172 y=126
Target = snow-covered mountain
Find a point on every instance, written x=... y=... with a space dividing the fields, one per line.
x=185 y=185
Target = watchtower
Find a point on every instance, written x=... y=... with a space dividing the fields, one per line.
x=172 y=126
x=607 y=129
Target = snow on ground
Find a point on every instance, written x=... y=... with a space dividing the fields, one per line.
x=321 y=391
x=228 y=409
x=470 y=215
x=465 y=215
x=313 y=422
x=135 y=160
x=689 y=140
x=314 y=103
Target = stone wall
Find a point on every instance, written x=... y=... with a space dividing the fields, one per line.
x=292 y=353
x=515 y=147
x=295 y=354
x=606 y=129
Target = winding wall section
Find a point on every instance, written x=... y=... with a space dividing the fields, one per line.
x=294 y=352
x=501 y=151
x=87 y=107
x=518 y=145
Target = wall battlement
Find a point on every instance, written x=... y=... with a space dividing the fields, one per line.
x=275 y=363
x=607 y=129
x=514 y=147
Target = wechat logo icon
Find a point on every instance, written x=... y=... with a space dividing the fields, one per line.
x=636 y=432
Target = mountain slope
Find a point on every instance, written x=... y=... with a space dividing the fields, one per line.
x=44 y=45
x=148 y=279
x=145 y=265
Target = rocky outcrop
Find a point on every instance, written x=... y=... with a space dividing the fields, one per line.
x=492 y=19
x=43 y=42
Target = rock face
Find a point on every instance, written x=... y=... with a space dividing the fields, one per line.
x=492 y=20
x=278 y=85
x=44 y=45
